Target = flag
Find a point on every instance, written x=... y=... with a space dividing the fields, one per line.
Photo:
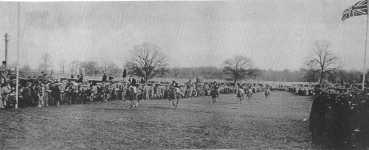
x=358 y=9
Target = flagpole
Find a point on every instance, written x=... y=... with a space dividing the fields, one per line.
x=17 y=67
x=366 y=45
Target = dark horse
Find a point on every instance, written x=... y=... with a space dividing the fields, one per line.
x=214 y=94
x=267 y=92
x=174 y=95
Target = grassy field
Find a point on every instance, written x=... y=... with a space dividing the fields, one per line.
x=258 y=123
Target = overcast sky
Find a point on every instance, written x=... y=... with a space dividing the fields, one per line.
x=275 y=34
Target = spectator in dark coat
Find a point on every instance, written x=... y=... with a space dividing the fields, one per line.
x=27 y=95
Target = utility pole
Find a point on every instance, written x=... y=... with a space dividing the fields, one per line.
x=6 y=47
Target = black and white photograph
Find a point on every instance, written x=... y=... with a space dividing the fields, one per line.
x=184 y=74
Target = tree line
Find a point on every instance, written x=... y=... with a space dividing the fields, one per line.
x=147 y=61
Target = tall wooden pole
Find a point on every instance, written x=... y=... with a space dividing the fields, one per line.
x=6 y=47
x=17 y=67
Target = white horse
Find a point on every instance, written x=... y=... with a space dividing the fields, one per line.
x=132 y=96
x=240 y=94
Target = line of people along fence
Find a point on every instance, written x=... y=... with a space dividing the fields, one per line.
x=306 y=89
x=43 y=93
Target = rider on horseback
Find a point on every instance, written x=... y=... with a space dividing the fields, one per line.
x=267 y=92
x=132 y=95
x=174 y=93
x=214 y=93
x=240 y=92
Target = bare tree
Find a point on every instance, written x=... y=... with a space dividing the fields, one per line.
x=323 y=60
x=237 y=68
x=46 y=63
x=147 y=61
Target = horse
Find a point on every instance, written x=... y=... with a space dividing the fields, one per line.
x=174 y=95
x=248 y=93
x=132 y=96
x=93 y=93
x=106 y=93
x=214 y=93
x=189 y=92
x=240 y=94
x=267 y=93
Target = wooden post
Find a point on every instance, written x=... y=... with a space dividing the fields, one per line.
x=17 y=67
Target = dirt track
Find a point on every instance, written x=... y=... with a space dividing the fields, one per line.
x=273 y=123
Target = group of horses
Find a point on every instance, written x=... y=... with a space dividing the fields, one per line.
x=246 y=93
x=174 y=94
